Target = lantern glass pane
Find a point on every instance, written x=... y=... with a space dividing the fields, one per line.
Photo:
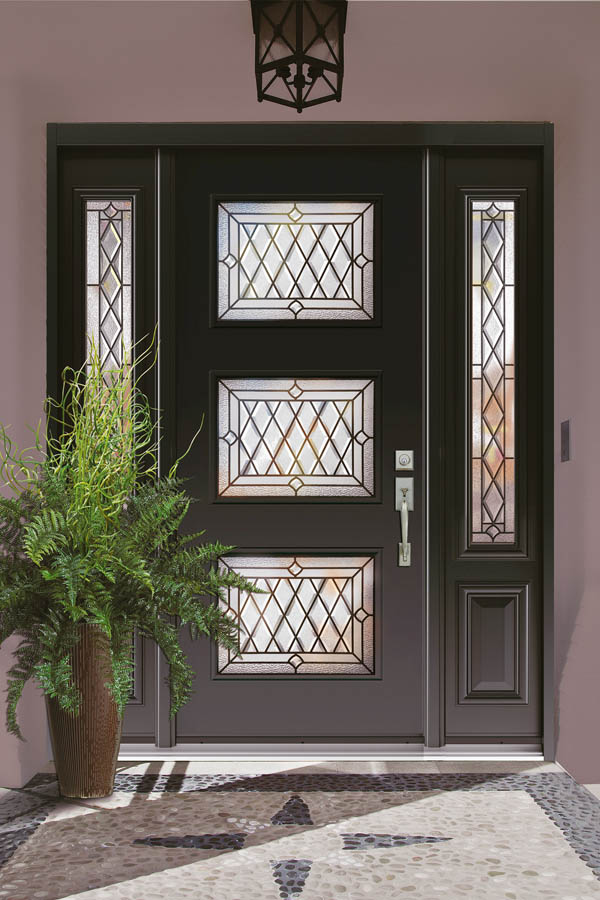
x=321 y=31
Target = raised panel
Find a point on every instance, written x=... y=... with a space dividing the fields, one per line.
x=136 y=696
x=493 y=624
x=139 y=719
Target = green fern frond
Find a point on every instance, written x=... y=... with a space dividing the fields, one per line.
x=121 y=667
x=27 y=656
x=91 y=535
x=44 y=534
x=56 y=680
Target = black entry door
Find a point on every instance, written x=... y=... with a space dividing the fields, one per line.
x=286 y=284
x=296 y=336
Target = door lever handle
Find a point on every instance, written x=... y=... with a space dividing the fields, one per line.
x=404 y=546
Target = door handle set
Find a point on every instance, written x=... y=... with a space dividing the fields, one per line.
x=404 y=546
x=405 y=502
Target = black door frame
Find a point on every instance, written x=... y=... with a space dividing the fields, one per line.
x=432 y=139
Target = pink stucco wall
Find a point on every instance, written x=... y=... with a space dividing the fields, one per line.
x=192 y=61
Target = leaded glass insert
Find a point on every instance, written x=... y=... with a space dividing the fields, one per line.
x=315 y=617
x=280 y=259
x=108 y=241
x=296 y=437
x=493 y=371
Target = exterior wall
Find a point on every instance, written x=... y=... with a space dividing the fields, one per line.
x=192 y=61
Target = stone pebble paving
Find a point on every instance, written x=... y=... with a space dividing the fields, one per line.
x=304 y=837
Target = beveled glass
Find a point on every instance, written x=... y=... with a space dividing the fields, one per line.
x=492 y=377
x=296 y=437
x=316 y=616
x=109 y=281
x=285 y=260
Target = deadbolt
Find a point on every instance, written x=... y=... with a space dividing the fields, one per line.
x=404 y=460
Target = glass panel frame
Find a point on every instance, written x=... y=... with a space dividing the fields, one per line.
x=109 y=223
x=319 y=618
x=492 y=370
x=282 y=437
x=295 y=260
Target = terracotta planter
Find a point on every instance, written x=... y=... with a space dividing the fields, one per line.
x=86 y=746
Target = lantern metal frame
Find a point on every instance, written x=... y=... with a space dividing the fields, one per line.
x=299 y=70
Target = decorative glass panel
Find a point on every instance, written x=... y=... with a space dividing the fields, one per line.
x=316 y=616
x=109 y=277
x=304 y=260
x=303 y=437
x=493 y=372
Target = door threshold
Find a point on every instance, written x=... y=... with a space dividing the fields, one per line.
x=224 y=752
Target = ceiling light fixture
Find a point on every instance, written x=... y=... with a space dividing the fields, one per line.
x=299 y=50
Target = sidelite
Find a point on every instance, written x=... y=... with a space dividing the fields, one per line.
x=492 y=377
x=296 y=437
x=109 y=280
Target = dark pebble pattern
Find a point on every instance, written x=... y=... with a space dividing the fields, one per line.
x=574 y=810
x=294 y=812
x=224 y=841
x=12 y=838
x=290 y=875
x=361 y=841
x=329 y=782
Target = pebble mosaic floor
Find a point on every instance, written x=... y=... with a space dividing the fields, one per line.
x=305 y=836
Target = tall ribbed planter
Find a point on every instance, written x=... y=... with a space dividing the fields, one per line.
x=86 y=746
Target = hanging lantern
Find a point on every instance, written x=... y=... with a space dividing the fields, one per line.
x=299 y=50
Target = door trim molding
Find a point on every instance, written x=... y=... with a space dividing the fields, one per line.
x=431 y=137
x=327 y=134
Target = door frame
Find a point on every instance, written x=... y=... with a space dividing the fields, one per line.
x=433 y=138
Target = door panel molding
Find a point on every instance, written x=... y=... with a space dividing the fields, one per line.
x=493 y=643
x=232 y=381
x=333 y=556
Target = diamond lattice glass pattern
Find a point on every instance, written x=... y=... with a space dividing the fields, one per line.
x=315 y=617
x=303 y=437
x=493 y=372
x=109 y=277
x=295 y=260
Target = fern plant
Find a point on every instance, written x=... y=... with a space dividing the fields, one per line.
x=91 y=534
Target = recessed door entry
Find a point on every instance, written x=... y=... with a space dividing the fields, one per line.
x=304 y=353
x=358 y=331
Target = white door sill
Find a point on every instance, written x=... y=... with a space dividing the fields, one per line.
x=224 y=752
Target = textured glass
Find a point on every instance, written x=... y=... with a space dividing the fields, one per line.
x=316 y=616
x=304 y=437
x=304 y=260
x=109 y=277
x=493 y=372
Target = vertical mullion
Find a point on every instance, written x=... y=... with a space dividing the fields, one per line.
x=165 y=727
x=433 y=425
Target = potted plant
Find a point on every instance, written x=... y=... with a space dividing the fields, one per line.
x=90 y=551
